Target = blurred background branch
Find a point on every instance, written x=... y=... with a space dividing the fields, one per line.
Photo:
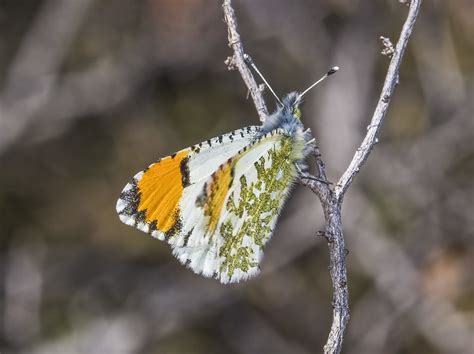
x=34 y=70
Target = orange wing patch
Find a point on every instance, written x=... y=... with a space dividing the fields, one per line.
x=160 y=189
x=215 y=192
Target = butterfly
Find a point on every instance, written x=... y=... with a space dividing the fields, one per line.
x=216 y=203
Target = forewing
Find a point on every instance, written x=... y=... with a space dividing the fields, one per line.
x=236 y=210
x=152 y=200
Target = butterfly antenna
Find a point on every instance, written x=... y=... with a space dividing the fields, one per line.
x=250 y=62
x=330 y=72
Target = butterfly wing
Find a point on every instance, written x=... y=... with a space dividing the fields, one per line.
x=236 y=209
x=217 y=202
x=151 y=200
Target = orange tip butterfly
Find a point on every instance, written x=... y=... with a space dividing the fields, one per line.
x=216 y=203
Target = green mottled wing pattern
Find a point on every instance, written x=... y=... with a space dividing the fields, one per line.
x=261 y=177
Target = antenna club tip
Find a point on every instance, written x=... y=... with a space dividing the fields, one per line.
x=333 y=70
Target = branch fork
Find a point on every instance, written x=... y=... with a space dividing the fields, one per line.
x=331 y=196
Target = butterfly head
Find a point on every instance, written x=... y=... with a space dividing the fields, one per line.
x=292 y=105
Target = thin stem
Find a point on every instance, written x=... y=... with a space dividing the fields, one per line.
x=391 y=81
x=238 y=60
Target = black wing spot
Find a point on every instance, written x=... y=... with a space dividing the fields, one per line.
x=175 y=229
x=152 y=226
x=187 y=236
x=131 y=198
x=184 y=168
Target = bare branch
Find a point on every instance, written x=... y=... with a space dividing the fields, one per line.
x=332 y=210
x=320 y=185
x=390 y=83
x=238 y=60
x=331 y=199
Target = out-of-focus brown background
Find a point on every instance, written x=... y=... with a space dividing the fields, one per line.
x=93 y=91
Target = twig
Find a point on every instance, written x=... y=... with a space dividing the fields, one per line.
x=331 y=199
x=391 y=81
x=332 y=206
x=238 y=60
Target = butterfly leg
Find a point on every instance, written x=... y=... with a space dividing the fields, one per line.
x=305 y=175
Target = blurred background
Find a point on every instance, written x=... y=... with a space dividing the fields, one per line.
x=93 y=91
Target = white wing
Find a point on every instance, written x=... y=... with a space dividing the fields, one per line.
x=216 y=203
x=235 y=210
x=156 y=190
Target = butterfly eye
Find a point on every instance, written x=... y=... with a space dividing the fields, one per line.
x=297 y=112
